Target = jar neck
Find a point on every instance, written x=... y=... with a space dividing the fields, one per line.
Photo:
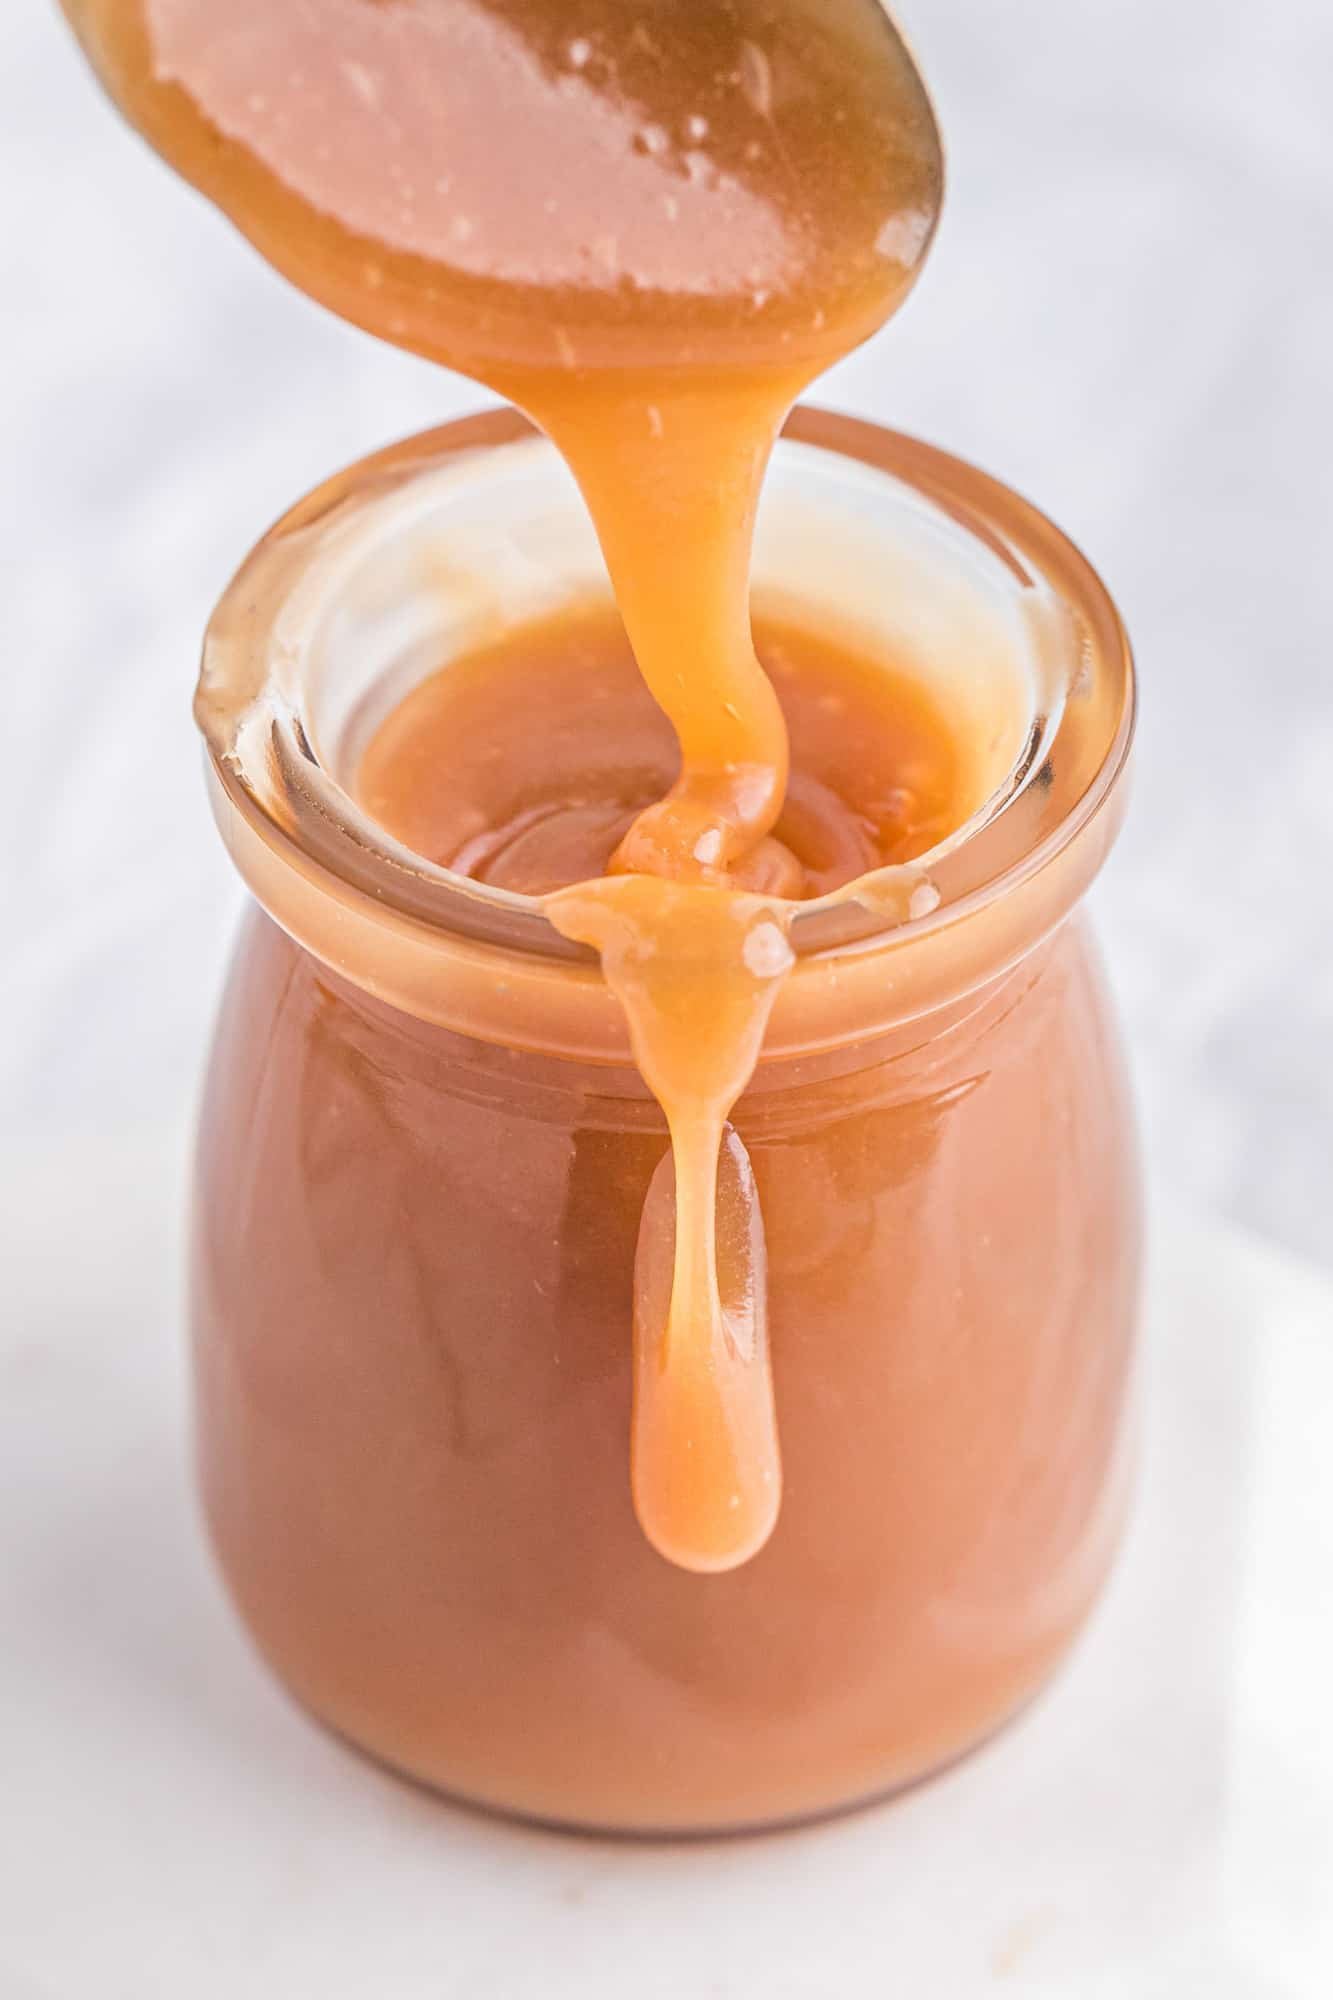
x=934 y=1055
x=914 y=979
x=330 y=623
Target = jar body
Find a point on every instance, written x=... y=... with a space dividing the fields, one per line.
x=412 y=1296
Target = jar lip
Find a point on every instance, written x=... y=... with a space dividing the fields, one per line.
x=267 y=770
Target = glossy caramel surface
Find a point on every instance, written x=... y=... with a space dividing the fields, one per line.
x=516 y=184
x=525 y=762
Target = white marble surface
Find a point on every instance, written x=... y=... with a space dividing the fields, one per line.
x=1158 y=1827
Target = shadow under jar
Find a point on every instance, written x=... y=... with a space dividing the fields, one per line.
x=424 y=1153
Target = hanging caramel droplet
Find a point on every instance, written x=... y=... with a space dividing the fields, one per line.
x=705 y=1464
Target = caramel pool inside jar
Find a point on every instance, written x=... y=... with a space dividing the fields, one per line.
x=650 y=226
x=524 y=762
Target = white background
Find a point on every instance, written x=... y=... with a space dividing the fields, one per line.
x=1128 y=314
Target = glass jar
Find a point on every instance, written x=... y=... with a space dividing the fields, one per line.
x=424 y=1152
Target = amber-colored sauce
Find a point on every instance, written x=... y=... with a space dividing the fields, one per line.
x=651 y=225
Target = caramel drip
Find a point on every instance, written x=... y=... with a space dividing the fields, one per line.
x=650 y=224
x=686 y=605
x=697 y=971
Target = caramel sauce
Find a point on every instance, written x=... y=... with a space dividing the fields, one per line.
x=651 y=226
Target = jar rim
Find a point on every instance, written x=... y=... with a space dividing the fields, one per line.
x=279 y=808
